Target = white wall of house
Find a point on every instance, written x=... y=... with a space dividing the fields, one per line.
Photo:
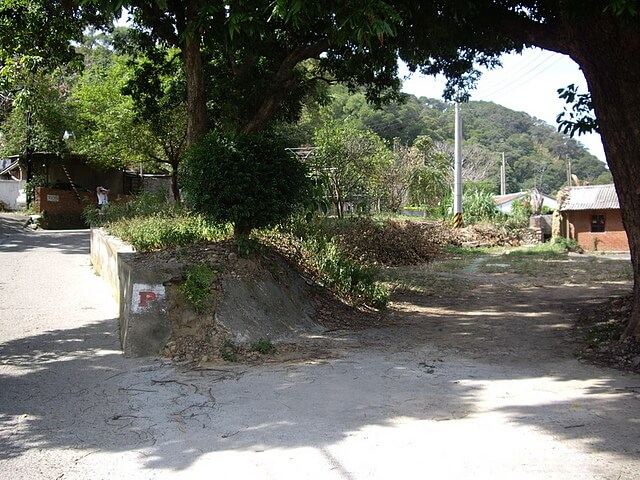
x=12 y=194
x=546 y=202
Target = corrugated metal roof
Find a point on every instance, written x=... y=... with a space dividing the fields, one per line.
x=591 y=197
x=500 y=199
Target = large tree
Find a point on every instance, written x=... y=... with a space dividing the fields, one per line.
x=35 y=47
x=352 y=160
x=602 y=36
x=260 y=51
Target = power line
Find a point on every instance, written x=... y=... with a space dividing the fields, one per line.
x=521 y=79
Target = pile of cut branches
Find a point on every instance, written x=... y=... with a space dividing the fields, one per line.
x=389 y=242
x=489 y=235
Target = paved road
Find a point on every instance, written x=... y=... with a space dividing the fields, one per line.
x=71 y=407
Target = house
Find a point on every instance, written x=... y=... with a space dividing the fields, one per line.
x=71 y=183
x=591 y=215
x=504 y=202
x=12 y=182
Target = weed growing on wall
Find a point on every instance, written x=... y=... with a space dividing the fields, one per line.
x=197 y=286
x=263 y=346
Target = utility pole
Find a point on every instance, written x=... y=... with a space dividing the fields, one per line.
x=457 y=186
x=568 y=171
x=503 y=177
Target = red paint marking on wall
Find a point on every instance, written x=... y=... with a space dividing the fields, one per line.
x=146 y=298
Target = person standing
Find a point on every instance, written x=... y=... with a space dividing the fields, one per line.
x=103 y=198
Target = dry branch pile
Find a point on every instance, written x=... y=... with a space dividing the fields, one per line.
x=390 y=242
x=487 y=235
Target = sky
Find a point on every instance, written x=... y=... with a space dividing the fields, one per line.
x=527 y=82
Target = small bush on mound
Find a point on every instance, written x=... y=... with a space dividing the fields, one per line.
x=248 y=180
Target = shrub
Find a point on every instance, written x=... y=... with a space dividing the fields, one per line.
x=521 y=211
x=248 y=180
x=478 y=206
x=347 y=277
x=311 y=245
x=566 y=244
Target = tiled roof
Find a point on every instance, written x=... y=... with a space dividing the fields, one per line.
x=591 y=197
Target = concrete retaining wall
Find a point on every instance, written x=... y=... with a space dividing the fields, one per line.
x=144 y=321
x=140 y=293
x=257 y=298
x=104 y=258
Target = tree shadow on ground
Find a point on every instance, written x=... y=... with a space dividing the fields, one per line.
x=72 y=389
x=24 y=240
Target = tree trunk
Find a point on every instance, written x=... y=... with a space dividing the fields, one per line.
x=608 y=53
x=196 y=93
x=242 y=229
x=174 y=183
x=283 y=83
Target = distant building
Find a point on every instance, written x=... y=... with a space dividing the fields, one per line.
x=12 y=182
x=591 y=215
x=504 y=202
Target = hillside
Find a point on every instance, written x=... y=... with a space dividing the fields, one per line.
x=536 y=153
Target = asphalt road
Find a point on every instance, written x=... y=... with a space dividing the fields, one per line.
x=71 y=407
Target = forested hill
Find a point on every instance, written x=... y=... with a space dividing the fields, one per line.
x=536 y=153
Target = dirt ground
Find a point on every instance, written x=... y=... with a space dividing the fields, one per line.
x=507 y=307
x=510 y=307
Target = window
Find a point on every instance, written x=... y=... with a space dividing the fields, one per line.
x=597 y=222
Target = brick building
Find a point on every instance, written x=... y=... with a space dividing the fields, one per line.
x=591 y=215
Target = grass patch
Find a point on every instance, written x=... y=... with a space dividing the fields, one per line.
x=472 y=251
x=557 y=246
x=423 y=281
x=263 y=346
x=149 y=223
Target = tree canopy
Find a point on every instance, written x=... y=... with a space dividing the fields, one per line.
x=536 y=153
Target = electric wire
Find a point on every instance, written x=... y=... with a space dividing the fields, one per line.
x=522 y=79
